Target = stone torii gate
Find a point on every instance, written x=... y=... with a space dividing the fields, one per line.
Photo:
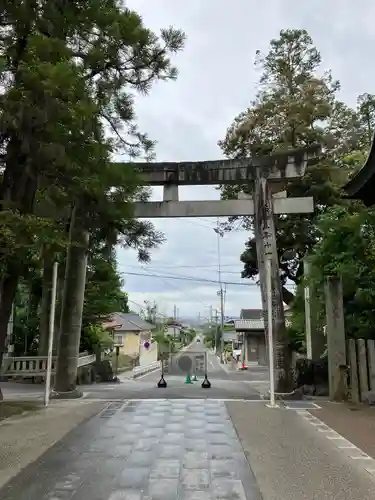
x=266 y=177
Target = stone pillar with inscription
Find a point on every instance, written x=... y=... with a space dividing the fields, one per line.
x=265 y=228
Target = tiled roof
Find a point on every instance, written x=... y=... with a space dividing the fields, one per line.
x=256 y=313
x=251 y=313
x=249 y=324
x=137 y=320
x=253 y=324
x=128 y=322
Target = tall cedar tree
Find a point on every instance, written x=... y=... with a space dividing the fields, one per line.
x=66 y=68
x=296 y=106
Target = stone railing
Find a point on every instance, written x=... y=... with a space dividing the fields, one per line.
x=24 y=366
x=141 y=370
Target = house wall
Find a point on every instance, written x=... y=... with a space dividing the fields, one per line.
x=148 y=356
x=255 y=349
x=130 y=341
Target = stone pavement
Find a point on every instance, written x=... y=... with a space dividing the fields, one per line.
x=23 y=439
x=148 y=450
x=354 y=422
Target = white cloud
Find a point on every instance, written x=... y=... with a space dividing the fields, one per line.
x=187 y=118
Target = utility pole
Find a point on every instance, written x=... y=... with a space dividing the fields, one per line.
x=216 y=333
x=221 y=293
x=220 y=234
x=174 y=318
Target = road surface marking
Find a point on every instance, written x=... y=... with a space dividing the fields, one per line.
x=360 y=457
x=173 y=400
x=309 y=406
x=337 y=439
x=371 y=471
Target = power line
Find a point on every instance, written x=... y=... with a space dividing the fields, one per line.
x=189 y=278
x=178 y=289
x=185 y=278
x=194 y=223
x=173 y=266
x=142 y=307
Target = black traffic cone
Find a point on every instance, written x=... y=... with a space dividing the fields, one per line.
x=206 y=384
x=162 y=383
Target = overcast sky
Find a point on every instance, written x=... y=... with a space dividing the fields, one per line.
x=216 y=81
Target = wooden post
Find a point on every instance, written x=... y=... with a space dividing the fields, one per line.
x=354 y=383
x=265 y=228
x=336 y=340
x=362 y=368
x=371 y=362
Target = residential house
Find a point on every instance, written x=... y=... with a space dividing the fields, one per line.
x=251 y=335
x=129 y=332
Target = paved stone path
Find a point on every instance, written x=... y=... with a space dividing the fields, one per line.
x=148 y=450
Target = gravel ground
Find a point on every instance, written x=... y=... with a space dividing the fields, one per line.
x=291 y=460
x=354 y=422
x=23 y=439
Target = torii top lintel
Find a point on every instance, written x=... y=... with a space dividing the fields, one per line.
x=362 y=185
x=276 y=167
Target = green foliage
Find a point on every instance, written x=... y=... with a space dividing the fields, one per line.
x=296 y=107
x=25 y=318
x=103 y=295
x=347 y=249
x=70 y=72
x=296 y=326
x=94 y=336
x=212 y=336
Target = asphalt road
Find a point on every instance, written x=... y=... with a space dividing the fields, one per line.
x=227 y=385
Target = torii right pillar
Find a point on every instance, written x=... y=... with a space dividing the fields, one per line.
x=268 y=181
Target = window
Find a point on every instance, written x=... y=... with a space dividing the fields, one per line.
x=118 y=339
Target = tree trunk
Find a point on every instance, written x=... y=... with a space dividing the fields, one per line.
x=265 y=226
x=8 y=288
x=288 y=296
x=59 y=301
x=45 y=305
x=71 y=308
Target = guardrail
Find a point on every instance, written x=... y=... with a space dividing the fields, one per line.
x=141 y=370
x=86 y=360
x=37 y=365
